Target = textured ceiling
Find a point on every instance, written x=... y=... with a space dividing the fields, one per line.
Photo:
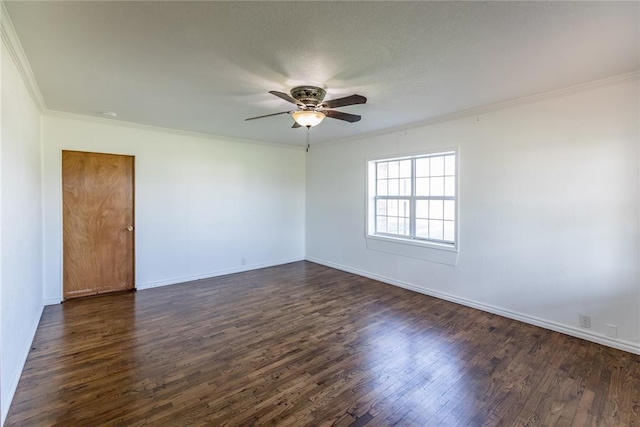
x=206 y=66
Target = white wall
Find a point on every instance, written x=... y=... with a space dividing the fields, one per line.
x=202 y=204
x=21 y=225
x=549 y=217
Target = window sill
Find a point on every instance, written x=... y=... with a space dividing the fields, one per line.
x=433 y=252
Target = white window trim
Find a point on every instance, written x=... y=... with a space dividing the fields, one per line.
x=415 y=248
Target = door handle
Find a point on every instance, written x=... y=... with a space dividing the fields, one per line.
x=130 y=228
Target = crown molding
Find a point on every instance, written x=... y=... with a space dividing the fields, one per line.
x=151 y=128
x=582 y=87
x=12 y=42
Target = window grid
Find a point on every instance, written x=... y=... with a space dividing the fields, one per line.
x=425 y=187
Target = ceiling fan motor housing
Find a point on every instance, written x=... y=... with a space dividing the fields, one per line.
x=311 y=105
x=308 y=95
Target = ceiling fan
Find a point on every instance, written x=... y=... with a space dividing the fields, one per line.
x=312 y=109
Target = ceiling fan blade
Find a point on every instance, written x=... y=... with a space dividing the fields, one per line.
x=296 y=125
x=286 y=97
x=268 y=115
x=343 y=102
x=351 y=118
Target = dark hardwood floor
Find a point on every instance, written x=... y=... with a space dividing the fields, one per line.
x=302 y=344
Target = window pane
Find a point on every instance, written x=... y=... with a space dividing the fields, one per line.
x=404 y=208
x=405 y=169
x=393 y=187
x=435 y=229
x=437 y=166
x=392 y=225
x=422 y=167
x=403 y=226
x=449 y=209
x=405 y=187
x=392 y=208
x=382 y=188
x=448 y=231
x=422 y=228
x=422 y=209
x=450 y=186
x=435 y=209
x=422 y=186
x=437 y=186
x=450 y=165
x=381 y=224
x=400 y=226
x=382 y=170
x=393 y=170
x=410 y=197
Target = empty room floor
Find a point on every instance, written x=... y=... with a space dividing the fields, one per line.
x=303 y=344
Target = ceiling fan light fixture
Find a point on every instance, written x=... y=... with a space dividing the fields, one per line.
x=308 y=118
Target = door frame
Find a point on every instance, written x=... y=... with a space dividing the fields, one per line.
x=61 y=212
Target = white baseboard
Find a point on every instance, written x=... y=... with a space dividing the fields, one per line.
x=15 y=379
x=176 y=280
x=182 y=279
x=624 y=345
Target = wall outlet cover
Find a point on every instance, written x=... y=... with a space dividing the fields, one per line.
x=585 y=321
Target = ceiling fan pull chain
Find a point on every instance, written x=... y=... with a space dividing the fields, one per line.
x=308 y=138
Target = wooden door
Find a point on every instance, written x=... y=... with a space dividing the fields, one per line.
x=98 y=236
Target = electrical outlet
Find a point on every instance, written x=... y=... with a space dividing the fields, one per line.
x=612 y=330
x=585 y=321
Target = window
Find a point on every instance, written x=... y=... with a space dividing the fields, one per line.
x=414 y=198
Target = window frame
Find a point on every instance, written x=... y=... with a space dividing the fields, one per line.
x=411 y=239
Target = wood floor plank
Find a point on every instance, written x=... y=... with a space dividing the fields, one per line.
x=303 y=344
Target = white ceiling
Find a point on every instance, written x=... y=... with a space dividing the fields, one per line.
x=206 y=66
